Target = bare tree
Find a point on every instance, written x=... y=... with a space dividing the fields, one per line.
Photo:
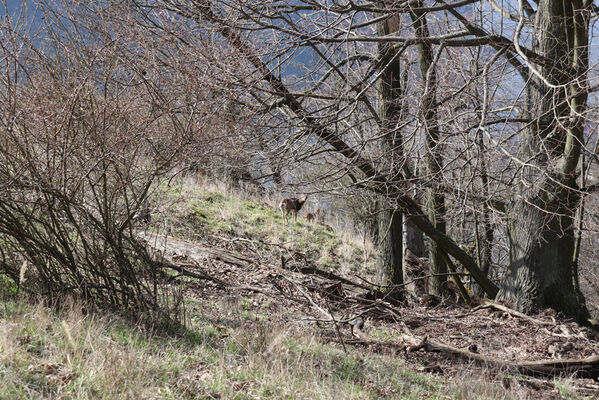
x=328 y=85
x=541 y=226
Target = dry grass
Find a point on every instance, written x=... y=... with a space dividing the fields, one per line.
x=44 y=354
x=230 y=349
x=70 y=355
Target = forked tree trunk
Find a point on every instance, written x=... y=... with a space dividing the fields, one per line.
x=541 y=230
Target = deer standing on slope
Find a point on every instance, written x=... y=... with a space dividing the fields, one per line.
x=291 y=205
x=311 y=216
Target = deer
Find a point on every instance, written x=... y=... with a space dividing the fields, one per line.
x=312 y=216
x=291 y=205
x=319 y=218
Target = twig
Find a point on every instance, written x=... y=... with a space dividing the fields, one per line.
x=336 y=327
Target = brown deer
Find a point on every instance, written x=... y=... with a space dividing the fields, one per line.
x=291 y=205
x=319 y=217
x=313 y=216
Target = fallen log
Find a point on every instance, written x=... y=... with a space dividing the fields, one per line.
x=580 y=367
x=500 y=307
x=194 y=251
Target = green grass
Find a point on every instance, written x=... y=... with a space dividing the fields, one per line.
x=232 y=347
x=199 y=211
x=71 y=355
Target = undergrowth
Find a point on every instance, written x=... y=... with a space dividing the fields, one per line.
x=68 y=354
x=232 y=347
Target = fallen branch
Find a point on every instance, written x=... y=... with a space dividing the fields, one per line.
x=328 y=275
x=363 y=341
x=181 y=269
x=376 y=294
x=582 y=367
x=197 y=253
x=515 y=313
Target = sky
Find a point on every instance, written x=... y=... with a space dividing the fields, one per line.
x=12 y=5
x=15 y=6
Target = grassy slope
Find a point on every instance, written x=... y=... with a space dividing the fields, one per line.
x=197 y=212
x=229 y=349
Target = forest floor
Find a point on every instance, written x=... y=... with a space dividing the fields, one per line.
x=311 y=303
x=268 y=310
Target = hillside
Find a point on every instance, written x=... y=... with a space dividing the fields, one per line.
x=267 y=308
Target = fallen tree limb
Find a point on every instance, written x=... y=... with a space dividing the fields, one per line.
x=194 y=251
x=581 y=367
x=328 y=275
x=376 y=294
x=181 y=269
x=515 y=313
x=363 y=341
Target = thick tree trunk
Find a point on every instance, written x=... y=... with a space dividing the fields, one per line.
x=390 y=233
x=541 y=230
x=541 y=255
x=390 y=262
x=434 y=200
x=413 y=240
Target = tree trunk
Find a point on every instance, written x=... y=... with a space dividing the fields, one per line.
x=434 y=200
x=390 y=232
x=390 y=261
x=413 y=239
x=541 y=230
x=484 y=238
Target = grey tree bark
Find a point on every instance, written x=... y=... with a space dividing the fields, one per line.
x=390 y=225
x=541 y=227
x=434 y=200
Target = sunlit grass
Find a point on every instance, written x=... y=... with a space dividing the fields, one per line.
x=233 y=347
x=197 y=210
x=73 y=355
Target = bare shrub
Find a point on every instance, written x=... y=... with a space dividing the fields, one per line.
x=80 y=147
